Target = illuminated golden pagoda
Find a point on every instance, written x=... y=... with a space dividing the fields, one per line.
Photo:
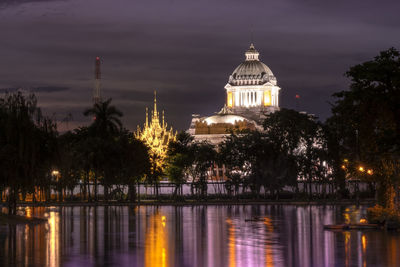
x=155 y=135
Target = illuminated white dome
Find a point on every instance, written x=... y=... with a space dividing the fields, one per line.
x=224 y=119
x=252 y=71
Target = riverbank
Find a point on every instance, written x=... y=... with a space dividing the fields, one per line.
x=18 y=219
x=200 y=202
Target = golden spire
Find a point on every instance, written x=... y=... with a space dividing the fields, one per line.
x=147 y=117
x=163 y=119
x=156 y=135
x=155 y=104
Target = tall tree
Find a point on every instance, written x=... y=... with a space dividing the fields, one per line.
x=367 y=118
x=204 y=160
x=235 y=152
x=69 y=162
x=255 y=160
x=180 y=158
x=105 y=127
x=301 y=137
x=27 y=146
x=134 y=162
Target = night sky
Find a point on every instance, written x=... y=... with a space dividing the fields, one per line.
x=186 y=50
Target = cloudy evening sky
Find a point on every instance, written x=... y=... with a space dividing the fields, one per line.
x=186 y=50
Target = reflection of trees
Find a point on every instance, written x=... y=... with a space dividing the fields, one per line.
x=196 y=236
x=179 y=234
x=22 y=245
x=83 y=230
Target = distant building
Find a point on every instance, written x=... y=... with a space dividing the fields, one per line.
x=251 y=94
x=155 y=135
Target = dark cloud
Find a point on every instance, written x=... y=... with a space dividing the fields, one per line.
x=9 y=90
x=10 y=3
x=186 y=50
x=40 y=89
x=49 y=89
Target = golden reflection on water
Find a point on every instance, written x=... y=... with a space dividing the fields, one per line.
x=268 y=223
x=364 y=250
x=393 y=252
x=347 y=247
x=231 y=238
x=53 y=258
x=156 y=242
x=364 y=243
x=269 y=259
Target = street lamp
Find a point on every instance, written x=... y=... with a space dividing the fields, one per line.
x=56 y=176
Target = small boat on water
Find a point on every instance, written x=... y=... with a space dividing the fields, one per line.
x=352 y=226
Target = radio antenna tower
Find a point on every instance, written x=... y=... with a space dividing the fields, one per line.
x=97 y=82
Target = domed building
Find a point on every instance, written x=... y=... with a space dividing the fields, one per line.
x=251 y=94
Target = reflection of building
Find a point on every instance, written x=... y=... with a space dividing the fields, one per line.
x=155 y=135
x=156 y=242
x=251 y=94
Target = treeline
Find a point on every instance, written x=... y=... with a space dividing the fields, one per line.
x=293 y=146
x=35 y=159
x=359 y=142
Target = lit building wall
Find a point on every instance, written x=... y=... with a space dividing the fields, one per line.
x=230 y=99
x=259 y=96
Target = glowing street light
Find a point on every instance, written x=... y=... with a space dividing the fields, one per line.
x=55 y=173
x=370 y=171
x=361 y=169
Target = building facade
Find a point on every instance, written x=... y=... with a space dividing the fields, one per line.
x=251 y=94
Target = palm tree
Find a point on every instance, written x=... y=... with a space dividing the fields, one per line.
x=106 y=125
x=105 y=118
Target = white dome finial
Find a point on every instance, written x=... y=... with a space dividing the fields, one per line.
x=252 y=53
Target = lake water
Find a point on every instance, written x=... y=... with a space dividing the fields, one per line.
x=282 y=235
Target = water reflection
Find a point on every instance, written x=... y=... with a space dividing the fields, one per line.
x=282 y=235
x=156 y=241
x=54 y=239
x=232 y=244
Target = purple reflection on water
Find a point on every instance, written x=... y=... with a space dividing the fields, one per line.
x=238 y=235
